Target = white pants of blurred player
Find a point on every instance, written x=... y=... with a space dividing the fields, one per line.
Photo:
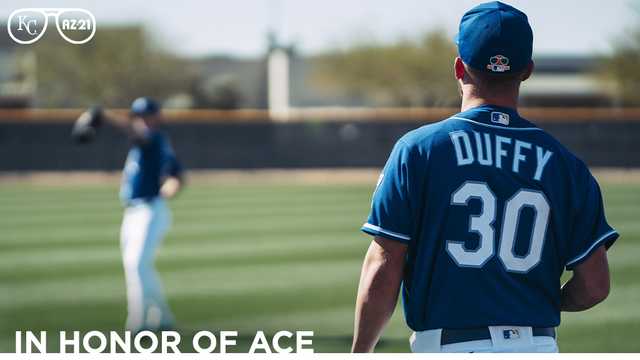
x=429 y=342
x=144 y=225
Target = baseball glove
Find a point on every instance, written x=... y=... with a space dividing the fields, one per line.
x=86 y=127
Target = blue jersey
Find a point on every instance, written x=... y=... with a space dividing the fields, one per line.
x=148 y=162
x=493 y=209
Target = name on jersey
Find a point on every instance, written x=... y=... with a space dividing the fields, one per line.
x=498 y=151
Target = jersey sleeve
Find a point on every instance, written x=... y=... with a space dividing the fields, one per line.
x=390 y=215
x=174 y=167
x=590 y=227
x=171 y=166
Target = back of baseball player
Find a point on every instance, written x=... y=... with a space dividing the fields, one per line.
x=488 y=209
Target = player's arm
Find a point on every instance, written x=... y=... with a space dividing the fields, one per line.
x=589 y=284
x=135 y=129
x=378 y=291
x=85 y=127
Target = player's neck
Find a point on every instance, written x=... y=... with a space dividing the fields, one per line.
x=470 y=101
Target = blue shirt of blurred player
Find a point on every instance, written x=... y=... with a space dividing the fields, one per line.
x=148 y=163
x=493 y=209
x=151 y=158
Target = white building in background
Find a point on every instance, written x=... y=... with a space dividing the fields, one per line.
x=278 y=83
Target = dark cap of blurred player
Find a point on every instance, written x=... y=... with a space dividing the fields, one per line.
x=147 y=110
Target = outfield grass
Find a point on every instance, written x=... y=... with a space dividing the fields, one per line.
x=244 y=257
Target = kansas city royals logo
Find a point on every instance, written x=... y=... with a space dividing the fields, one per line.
x=500 y=118
x=498 y=63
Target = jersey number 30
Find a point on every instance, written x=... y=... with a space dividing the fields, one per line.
x=482 y=224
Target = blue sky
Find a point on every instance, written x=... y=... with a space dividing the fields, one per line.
x=238 y=27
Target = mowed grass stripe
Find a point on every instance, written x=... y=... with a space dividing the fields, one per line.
x=302 y=224
x=191 y=214
x=200 y=196
x=195 y=310
x=281 y=203
x=259 y=227
x=231 y=279
x=109 y=238
x=65 y=212
x=44 y=207
x=110 y=263
x=174 y=247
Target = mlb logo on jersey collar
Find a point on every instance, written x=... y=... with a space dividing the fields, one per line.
x=500 y=118
x=511 y=334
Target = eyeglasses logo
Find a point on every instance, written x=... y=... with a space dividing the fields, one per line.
x=76 y=26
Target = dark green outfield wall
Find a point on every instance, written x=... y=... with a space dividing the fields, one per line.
x=46 y=146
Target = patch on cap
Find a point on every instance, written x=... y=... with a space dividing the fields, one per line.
x=495 y=38
x=498 y=63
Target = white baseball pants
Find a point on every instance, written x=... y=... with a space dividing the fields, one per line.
x=143 y=227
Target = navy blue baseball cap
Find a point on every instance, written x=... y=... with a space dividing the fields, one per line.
x=496 y=38
x=145 y=106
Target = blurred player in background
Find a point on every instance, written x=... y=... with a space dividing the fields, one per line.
x=152 y=174
x=478 y=215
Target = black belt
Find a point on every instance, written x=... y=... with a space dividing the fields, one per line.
x=452 y=336
x=140 y=200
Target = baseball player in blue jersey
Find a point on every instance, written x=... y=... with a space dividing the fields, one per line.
x=151 y=175
x=476 y=217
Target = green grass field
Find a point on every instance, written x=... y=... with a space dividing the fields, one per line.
x=244 y=257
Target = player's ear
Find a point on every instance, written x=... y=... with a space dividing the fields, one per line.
x=528 y=71
x=459 y=69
